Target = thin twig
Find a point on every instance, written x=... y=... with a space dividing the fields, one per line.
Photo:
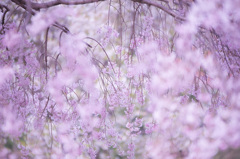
x=46 y=40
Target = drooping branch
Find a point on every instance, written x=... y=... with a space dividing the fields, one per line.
x=158 y=5
x=38 y=6
x=59 y=2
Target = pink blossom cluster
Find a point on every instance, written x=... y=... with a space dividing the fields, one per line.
x=160 y=81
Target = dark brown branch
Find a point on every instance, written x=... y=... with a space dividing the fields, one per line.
x=158 y=5
x=38 y=6
x=23 y=4
x=2 y=7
